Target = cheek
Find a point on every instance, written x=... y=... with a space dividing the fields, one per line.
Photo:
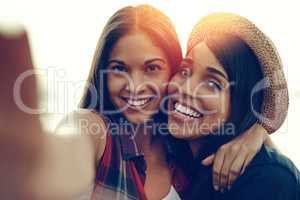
x=211 y=105
x=115 y=84
x=219 y=108
x=174 y=84
x=163 y=88
x=226 y=107
x=159 y=83
x=218 y=103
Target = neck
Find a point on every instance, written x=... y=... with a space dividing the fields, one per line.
x=143 y=135
x=153 y=150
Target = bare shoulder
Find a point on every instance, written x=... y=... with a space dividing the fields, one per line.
x=86 y=122
x=84 y=119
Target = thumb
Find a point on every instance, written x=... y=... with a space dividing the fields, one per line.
x=209 y=160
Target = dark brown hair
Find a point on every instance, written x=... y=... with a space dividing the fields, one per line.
x=244 y=71
x=143 y=18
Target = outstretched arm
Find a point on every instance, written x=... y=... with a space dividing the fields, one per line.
x=36 y=165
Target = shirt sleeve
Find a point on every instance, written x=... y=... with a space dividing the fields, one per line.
x=267 y=182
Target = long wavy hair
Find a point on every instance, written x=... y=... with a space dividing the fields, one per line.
x=144 y=18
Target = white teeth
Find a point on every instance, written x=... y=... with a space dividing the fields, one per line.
x=137 y=102
x=186 y=110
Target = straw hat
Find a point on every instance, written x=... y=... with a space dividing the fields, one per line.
x=275 y=103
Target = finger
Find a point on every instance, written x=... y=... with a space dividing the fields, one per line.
x=230 y=156
x=15 y=60
x=217 y=167
x=236 y=168
x=247 y=162
x=209 y=160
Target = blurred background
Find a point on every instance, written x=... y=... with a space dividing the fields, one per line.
x=63 y=35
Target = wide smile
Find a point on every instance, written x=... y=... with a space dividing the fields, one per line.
x=137 y=103
x=185 y=112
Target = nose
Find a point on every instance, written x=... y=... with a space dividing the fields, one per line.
x=196 y=91
x=136 y=84
x=190 y=87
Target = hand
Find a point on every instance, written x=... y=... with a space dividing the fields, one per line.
x=17 y=93
x=18 y=129
x=232 y=158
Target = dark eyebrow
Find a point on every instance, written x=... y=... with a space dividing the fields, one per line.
x=154 y=59
x=218 y=72
x=116 y=61
x=146 y=62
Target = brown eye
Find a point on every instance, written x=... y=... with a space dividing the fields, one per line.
x=185 y=72
x=152 y=68
x=119 y=68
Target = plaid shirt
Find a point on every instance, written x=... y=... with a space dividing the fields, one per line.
x=121 y=171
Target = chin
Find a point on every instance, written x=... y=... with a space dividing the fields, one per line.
x=184 y=135
x=179 y=132
x=137 y=118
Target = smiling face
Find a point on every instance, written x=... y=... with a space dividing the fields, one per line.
x=199 y=95
x=138 y=75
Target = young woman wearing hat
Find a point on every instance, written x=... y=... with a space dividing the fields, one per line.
x=221 y=90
